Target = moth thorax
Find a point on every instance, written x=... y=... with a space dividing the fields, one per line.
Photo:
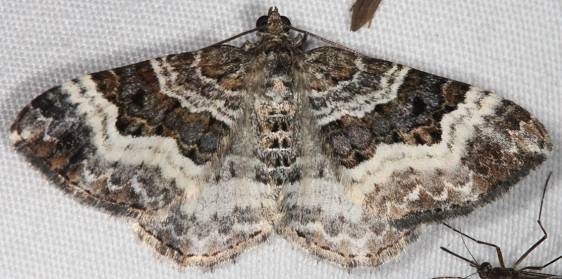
x=276 y=132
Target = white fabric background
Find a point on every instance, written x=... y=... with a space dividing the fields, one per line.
x=513 y=47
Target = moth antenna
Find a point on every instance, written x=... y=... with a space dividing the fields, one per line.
x=234 y=37
x=327 y=41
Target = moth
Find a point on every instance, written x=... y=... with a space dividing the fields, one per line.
x=486 y=270
x=362 y=12
x=210 y=152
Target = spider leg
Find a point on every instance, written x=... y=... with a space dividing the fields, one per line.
x=498 y=249
x=543 y=266
x=544 y=237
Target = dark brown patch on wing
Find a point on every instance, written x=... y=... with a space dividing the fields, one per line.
x=222 y=64
x=60 y=144
x=145 y=111
x=502 y=155
x=326 y=67
x=505 y=148
x=413 y=117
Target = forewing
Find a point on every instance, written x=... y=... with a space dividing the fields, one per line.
x=154 y=141
x=399 y=147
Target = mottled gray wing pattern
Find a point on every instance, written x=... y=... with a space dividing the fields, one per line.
x=391 y=147
x=149 y=141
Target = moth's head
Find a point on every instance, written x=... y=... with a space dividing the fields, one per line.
x=273 y=22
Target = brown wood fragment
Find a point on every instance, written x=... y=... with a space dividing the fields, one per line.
x=362 y=12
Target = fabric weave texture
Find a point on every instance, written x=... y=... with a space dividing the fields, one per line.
x=513 y=47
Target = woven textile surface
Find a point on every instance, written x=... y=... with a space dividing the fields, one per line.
x=513 y=47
